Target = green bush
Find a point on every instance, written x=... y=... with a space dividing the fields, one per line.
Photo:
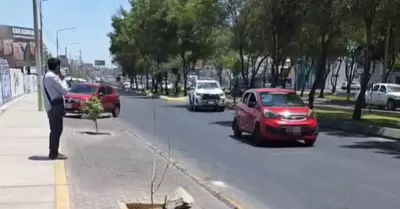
x=92 y=109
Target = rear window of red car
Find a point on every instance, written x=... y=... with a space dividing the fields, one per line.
x=83 y=89
x=281 y=99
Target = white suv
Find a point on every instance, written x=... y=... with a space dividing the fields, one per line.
x=208 y=94
x=383 y=95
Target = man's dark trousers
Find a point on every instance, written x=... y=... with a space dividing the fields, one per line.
x=56 y=120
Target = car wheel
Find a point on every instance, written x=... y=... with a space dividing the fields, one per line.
x=235 y=127
x=391 y=105
x=115 y=112
x=309 y=143
x=256 y=137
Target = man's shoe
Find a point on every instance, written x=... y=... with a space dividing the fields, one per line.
x=58 y=157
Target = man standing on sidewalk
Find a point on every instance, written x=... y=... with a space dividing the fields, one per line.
x=54 y=90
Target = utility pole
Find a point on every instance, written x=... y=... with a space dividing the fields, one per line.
x=66 y=51
x=80 y=62
x=57 y=44
x=38 y=58
x=41 y=36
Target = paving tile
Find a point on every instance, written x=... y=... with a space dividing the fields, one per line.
x=27 y=194
x=102 y=171
x=22 y=171
x=28 y=206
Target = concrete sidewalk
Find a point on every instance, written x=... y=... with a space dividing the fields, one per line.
x=27 y=178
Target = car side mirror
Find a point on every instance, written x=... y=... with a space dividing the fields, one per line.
x=252 y=104
x=223 y=88
x=100 y=94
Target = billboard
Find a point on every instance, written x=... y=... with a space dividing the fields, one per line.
x=99 y=63
x=17 y=45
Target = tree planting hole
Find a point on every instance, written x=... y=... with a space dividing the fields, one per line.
x=144 y=206
x=94 y=133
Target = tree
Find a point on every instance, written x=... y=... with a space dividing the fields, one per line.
x=367 y=11
x=223 y=56
x=282 y=20
x=122 y=46
x=327 y=19
x=92 y=110
x=239 y=14
x=194 y=21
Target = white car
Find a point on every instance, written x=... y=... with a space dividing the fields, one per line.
x=207 y=94
x=353 y=86
x=127 y=85
x=383 y=95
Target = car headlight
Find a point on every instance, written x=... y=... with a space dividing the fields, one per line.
x=270 y=115
x=198 y=94
x=221 y=95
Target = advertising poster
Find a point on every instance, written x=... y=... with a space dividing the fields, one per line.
x=5 y=81
x=17 y=82
x=17 y=46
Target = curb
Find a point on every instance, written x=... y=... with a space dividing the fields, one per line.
x=205 y=185
x=360 y=128
x=6 y=106
x=122 y=205
x=177 y=99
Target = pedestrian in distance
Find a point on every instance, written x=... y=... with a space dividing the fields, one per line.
x=55 y=88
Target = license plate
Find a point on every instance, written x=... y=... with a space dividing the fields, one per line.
x=68 y=106
x=211 y=102
x=296 y=130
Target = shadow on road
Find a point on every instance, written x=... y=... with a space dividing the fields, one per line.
x=223 y=123
x=391 y=148
x=185 y=106
x=339 y=133
x=245 y=139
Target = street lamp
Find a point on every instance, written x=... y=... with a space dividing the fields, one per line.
x=38 y=58
x=58 y=31
x=41 y=31
x=66 y=47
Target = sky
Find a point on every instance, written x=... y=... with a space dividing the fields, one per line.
x=91 y=18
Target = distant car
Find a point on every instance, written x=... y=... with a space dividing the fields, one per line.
x=127 y=85
x=270 y=114
x=207 y=94
x=382 y=95
x=81 y=92
x=353 y=86
x=169 y=85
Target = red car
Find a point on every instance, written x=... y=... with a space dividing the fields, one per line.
x=274 y=114
x=80 y=92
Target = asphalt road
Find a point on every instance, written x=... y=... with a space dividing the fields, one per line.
x=343 y=170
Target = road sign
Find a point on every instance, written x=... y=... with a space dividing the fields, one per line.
x=99 y=62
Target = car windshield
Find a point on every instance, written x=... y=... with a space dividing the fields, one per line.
x=394 y=88
x=73 y=82
x=83 y=89
x=209 y=85
x=281 y=100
